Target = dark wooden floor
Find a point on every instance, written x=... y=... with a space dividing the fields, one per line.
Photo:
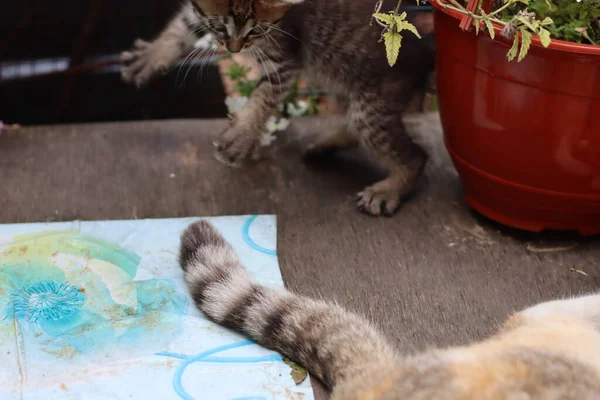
x=435 y=274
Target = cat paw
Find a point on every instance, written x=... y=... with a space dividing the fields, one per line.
x=380 y=199
x=142 y=63
x=235 y=147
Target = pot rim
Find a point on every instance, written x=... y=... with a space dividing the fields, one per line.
x=555 y=44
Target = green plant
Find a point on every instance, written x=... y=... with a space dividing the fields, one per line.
x=571 y=20
x=295 y=104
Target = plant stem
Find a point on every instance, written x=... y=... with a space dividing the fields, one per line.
x=499 y=10
x=397 y=7
x=458 y=8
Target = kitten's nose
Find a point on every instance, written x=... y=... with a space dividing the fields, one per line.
x=235 y=46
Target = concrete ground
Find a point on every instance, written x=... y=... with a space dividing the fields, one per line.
x=435 y=274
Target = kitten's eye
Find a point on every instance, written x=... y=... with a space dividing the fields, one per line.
x=256 y=31
x=222 y=29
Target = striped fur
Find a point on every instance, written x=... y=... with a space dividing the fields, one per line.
x=332 y=44
x=548 y=352
x=296 y=326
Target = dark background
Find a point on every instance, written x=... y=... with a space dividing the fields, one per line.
x=59 y=64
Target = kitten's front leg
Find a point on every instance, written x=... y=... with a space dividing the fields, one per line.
x=147 y=60
x=241 y=141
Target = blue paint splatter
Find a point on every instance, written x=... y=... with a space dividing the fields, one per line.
x=205 y=358
x=45 y=301
x=70 y=306
x=252 y=243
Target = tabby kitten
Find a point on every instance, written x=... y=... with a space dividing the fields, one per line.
x=332 y=43
x=550 y=351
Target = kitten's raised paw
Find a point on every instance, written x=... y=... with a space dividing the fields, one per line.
x=380 y=199
x=142 y=63
x=234 y=148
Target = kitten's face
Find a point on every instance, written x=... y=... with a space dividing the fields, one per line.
x=238 y=24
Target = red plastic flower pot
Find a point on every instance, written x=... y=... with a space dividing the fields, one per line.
x=524 y=137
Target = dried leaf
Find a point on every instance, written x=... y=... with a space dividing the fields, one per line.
x=509 y=30
x=551 y=247
x=297 y=373
x=578 y=271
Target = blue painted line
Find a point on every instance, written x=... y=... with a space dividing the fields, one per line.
x=204 y=357
x=231 y=360
x=252 y=243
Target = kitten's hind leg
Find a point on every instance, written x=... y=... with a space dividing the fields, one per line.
x=148 y=59
x=327 y=144
x=381 y=130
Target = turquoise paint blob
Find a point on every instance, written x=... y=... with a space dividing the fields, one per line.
x=71 y=306
x=46 y=301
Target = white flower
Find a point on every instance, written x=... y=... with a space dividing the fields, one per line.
x=235 y=104
x=274 y=125
x=298 y=109
x=267 y=138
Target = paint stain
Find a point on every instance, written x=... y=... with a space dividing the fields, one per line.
x=78 y=296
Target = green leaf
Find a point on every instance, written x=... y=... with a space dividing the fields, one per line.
x=477 y=25
x=490 y=28
x=544 y=37
x=547 y=21
x=384 y=18
x=512 y=53
x=525 y=44
x=393 y=41
x=400 y=18
x=403 y=24
x=400 y=26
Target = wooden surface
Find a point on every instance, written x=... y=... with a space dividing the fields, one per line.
x=435 y=274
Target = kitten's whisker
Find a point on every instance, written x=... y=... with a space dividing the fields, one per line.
x=204 y=62
x=265 y=69
x=283 y=31
x=198 y=31
x=202 y=59
x=195 y=55
x=272 y=39
x=181 y=64
x=273 y=66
